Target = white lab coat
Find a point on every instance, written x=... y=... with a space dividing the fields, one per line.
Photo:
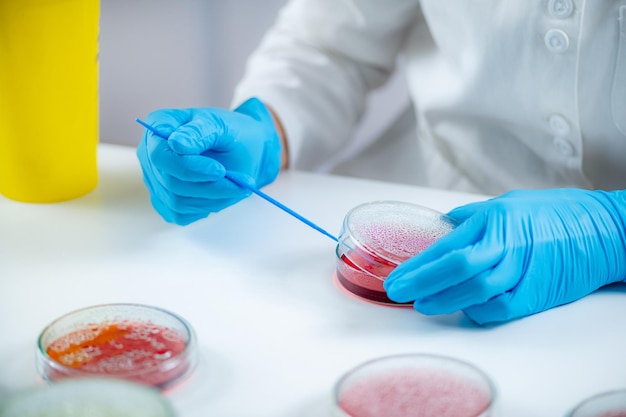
x=507 y=94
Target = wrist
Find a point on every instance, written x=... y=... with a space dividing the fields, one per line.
x=284 y=157
x=271 y=159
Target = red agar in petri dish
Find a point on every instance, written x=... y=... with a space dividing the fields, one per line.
x=359 y=280
x=424 y=387
x=138 y=343
x=402 y=394
x=376 y=237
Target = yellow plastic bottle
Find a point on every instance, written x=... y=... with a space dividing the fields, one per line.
x=48 y=99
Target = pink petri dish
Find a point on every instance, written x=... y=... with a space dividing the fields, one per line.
x=606 y=404
x=138 y=343
x=376 y=237
x=416 y=385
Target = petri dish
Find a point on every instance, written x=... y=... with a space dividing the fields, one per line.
x=376 y=237
x=87 y=397
x=134 y=342
x=415 y=384
x=605 y=404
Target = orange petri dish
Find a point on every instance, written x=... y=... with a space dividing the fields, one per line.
x=133 y=342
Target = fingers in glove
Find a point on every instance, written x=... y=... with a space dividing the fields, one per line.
x=499 y=309
x=184 y=210
x=214 y=129
x=464 y=236
x=210 y=190
x=193 y=168
x=414 y=280
x=479 y=289
x=157 y=199
x=457 y=239
x=463 y=213
x=166 y=121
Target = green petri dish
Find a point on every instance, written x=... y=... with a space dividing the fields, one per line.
x=87 y=397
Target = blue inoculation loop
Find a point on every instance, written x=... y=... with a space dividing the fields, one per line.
x=151 y=128
x=245 y=181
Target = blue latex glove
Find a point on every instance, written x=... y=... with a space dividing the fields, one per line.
x=518 y=254
x=185 y=173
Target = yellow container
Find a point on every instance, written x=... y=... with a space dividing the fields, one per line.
x=48 y=99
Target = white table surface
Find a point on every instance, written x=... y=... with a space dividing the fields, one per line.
x=274 y=332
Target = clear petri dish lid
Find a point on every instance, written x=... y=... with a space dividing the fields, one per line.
x=386 y=233
x=87 y=397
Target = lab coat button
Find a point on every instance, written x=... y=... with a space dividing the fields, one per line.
x=563 y=146
x=560 y=8
x=559 y=125
x=556 y=40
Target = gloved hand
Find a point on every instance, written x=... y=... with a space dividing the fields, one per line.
x=185 y=173
x=518 y=254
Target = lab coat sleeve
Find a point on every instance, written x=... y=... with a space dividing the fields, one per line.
x=316 y=65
